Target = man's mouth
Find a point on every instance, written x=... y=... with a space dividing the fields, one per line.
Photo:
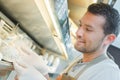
x=80 y=41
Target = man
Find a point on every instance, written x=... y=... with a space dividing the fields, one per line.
x=98 y=29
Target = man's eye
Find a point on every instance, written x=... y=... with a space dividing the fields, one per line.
x=87 y=29
x=80 y=25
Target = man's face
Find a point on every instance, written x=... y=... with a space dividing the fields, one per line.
x=90 y=34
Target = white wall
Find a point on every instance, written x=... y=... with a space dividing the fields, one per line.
x=117 y=5
x=117 y=41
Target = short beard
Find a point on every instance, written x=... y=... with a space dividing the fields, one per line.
x=90 y=50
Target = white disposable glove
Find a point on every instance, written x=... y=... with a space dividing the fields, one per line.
x=33 y=59
x=27 y=72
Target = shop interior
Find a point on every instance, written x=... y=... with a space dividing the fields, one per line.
x=47 y=27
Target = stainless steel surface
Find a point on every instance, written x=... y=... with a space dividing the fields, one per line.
x=27 y=13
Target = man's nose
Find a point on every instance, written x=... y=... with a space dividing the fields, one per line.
x=79 y=32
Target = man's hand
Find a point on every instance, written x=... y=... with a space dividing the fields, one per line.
x=27 y=72
x=33 y=59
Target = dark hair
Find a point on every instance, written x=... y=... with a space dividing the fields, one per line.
x=111 y=15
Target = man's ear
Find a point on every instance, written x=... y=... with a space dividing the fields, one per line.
x=110 y=38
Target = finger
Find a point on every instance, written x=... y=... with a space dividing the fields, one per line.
x=28 y=50
x=19 y=64
x=21 y=52
x=22 y=64
x=19 y=69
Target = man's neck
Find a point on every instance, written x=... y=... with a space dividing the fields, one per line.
x=87 y=57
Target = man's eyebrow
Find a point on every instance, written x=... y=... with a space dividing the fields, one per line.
x=87 y=25
x=79 y=21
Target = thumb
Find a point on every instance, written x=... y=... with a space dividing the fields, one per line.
x=19 y=67
x=23 y=50
x=27 y=50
